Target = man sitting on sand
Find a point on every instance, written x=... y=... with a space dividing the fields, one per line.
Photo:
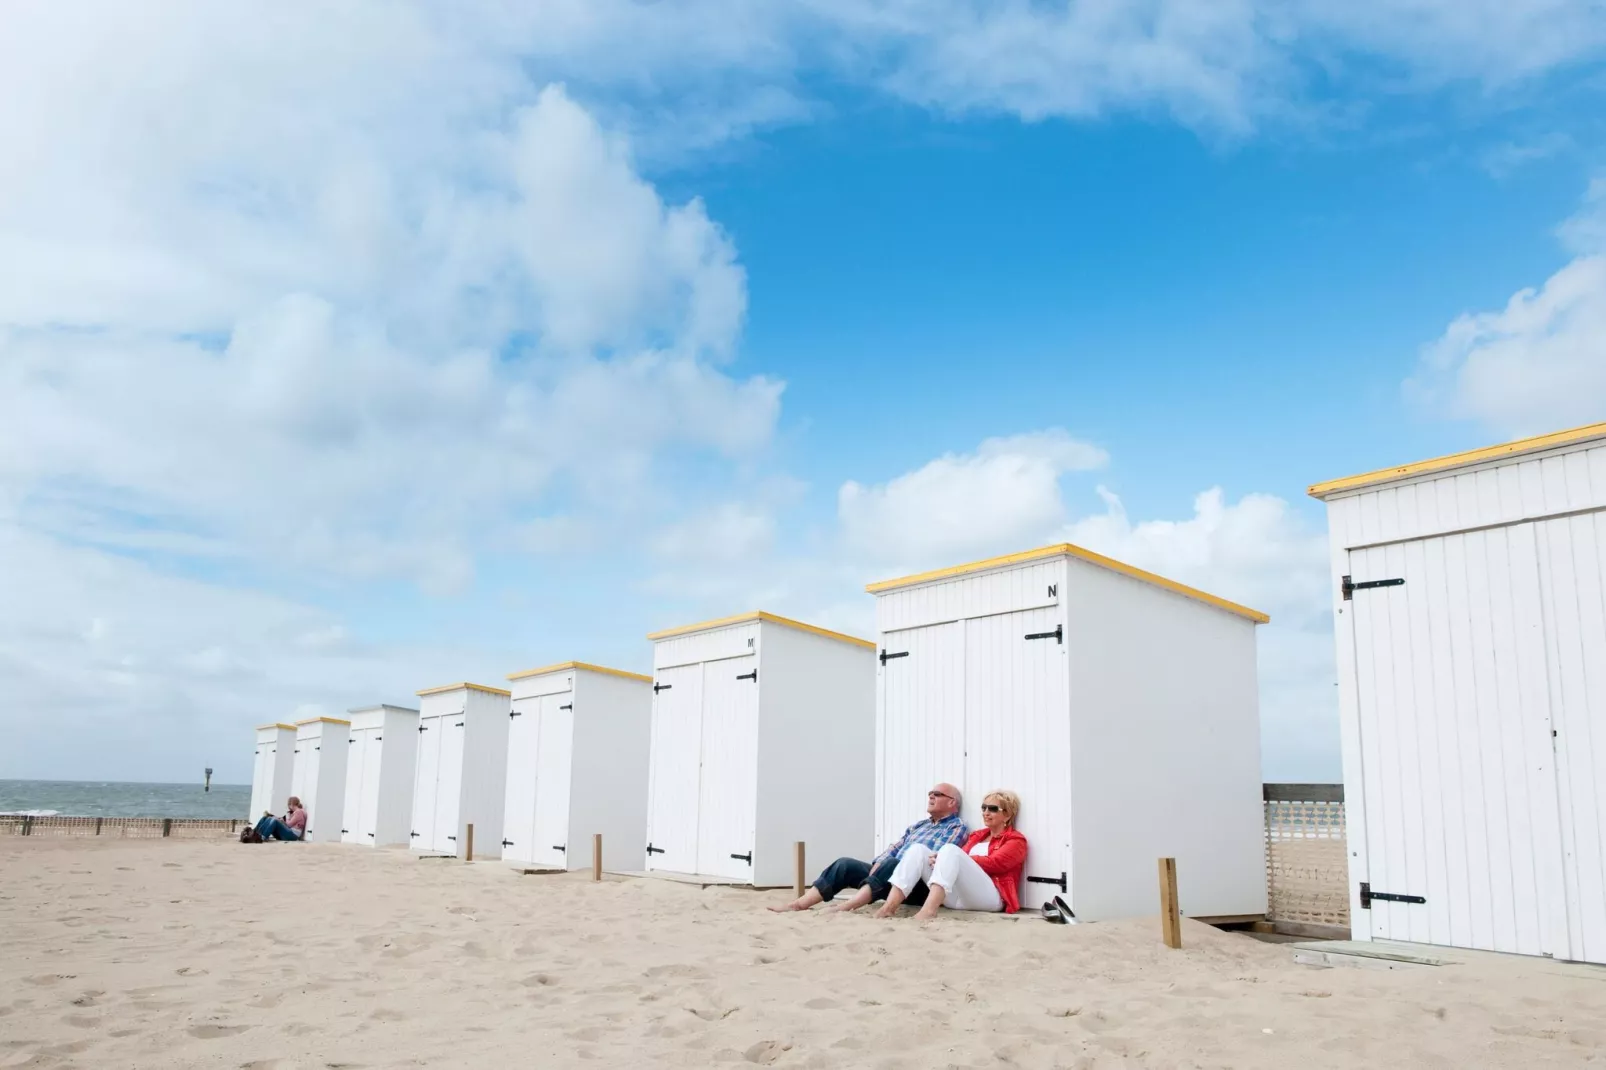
x=292 y=827
x=941 y=826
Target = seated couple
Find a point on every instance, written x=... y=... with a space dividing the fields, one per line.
x=936 y=863
x=293 y=826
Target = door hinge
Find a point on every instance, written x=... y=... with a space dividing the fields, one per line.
x=507 y=843
x=1349 y=586
x=370 y=834
x=654 y=850
x=1367 y=895
x=753 y=676
x=748 y=857
x=885 y=657
x=452 y=838
x=423 y=728
x=1058 y=634
x=661 y=687
x=560 y=847
x=413 y=834
x=515 y=713
x=378 y=738
x=570 y=706
x=1060 y=881
x=457 y=724
x=344 y=831
x=353 y=739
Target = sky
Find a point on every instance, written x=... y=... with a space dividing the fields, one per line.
x=347 y=351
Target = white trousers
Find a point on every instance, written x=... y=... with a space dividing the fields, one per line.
x=967 y=885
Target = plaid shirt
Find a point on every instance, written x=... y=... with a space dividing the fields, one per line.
x=934 y=834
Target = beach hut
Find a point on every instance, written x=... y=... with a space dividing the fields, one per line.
x=576 y=766
x=381 y=759
x=1120 y=706
x=461 y=770
x=763 y=731
x=320 y=775
x=1469 y=597
x=274 y=766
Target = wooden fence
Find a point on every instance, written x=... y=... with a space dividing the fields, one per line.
x=131 y=828
x=1307 y=866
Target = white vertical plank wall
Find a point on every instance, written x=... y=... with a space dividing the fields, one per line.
x=1472 y=694
x=320 y=775
x=461 y=773
x=273 y=768
x=749 y=715
x=577 y=767
x=1119 y=706
x=380 y=769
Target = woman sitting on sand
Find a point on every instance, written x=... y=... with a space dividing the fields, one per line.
x=292 y=827
x=984 y=874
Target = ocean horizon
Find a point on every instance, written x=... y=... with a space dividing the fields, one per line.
x=111 y=798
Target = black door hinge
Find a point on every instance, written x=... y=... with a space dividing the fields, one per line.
x=753 y=676
x=1058 y=634
x=507 y=843
x=1060 y=881
x=370 y=834
x=885 y=657
x=452 y=838
x=457 y=724
x=344 y=831
x=378 y=738
x=570 y=706
x=661 y=687
x=1349 y=586
x=423 y=728
x=1367 y=895
x=515 y=713
x=654 y=850
x=413 y=834
x=748 y=857
x=560 y=847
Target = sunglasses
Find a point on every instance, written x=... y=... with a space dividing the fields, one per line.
x=991 y=808
x=939 y=795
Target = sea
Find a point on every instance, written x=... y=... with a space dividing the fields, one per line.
x=104 y=798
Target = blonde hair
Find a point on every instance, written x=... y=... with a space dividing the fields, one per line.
x=1009 y=801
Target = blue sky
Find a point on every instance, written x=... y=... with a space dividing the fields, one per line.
x=476 y=339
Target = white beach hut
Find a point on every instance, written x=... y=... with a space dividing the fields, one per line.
x=462 y=769
x=320 y=775
x=381 y=760
x=273 y=769
x=763 y=734
x=1469 y=599
x=577 y=766
x=1120 y=706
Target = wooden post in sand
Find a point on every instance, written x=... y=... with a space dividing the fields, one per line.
x=596 y=857
x=468 y=855
x=798 y=882
x=1170 y=918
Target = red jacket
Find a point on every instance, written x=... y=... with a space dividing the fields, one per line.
x=1003 y=862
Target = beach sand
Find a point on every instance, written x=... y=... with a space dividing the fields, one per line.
x=168 y=954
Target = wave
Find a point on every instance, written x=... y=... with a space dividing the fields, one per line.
x=30 y=813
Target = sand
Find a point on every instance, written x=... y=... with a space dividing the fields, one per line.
x=166 y=954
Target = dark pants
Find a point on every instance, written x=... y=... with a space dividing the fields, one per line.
x=851 y=873
x=271 y=828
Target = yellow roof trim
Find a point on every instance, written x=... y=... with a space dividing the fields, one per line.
x=564 y=665
x=744 y=618
x=1459 y=460
x=1066 y=549
x=465 y=686
x=277 y=724
x=315 y=720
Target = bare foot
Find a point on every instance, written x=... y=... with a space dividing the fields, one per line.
x=841 y=908
x=926 y=915
x=785 y=908
x=886 y=912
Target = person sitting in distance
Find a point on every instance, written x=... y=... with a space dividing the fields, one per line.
x=984 y=874
x=941 y=827
x=293 y=826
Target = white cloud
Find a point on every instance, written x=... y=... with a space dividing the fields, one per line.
x=961 y=504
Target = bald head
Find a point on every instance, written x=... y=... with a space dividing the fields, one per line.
x=943 y=801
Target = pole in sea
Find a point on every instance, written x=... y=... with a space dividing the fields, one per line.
x=208 y=779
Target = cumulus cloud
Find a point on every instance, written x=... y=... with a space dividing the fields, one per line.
x=961 y=504
x=1539 y=363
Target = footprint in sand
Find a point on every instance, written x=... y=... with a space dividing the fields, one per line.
x=50 y=978
x=81 y=1021
x=215 y=1032
x=384 y=1015
x=766 y=1052
x=822 y=1003
x=191 y=971
x=89 y=999
x=538 y=980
